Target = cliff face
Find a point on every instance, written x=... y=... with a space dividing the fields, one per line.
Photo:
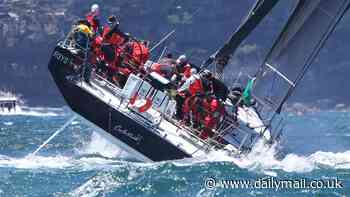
x=29 y=30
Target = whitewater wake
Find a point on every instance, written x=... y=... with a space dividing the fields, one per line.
x=33 y=111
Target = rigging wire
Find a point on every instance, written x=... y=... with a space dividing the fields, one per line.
x=314 y=54
x=54 y=135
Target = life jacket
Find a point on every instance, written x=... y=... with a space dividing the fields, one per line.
x=196 y=87
x=114 y=39
x=136 y=55
x=193 y=85
x=206 y=105
x=217 y=110
x=209 y=121
x=97 y=42
x=92 y=19
x=96 y=49
x=140 y=53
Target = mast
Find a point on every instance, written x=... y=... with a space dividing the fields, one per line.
x=258 y=12
x=302 y=38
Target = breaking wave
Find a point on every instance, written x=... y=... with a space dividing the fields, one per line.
x=263 y=159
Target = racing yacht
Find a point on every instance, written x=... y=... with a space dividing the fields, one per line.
x=154 y=135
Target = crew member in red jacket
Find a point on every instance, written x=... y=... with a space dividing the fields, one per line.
x=192 y=90
x=214 y=114
x=112 y=34
x=93 y=18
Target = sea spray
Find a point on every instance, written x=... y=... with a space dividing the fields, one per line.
x=101 y=146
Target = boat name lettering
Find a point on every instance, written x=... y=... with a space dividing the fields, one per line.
x=60 y=57
x=125 y=132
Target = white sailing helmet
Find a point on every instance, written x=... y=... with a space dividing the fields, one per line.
x=95 y=8
x=193 y=71
x=181 y=59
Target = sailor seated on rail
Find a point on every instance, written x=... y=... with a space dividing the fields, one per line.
x=240 y=97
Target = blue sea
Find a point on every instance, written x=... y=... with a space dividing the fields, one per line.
x=79 y=162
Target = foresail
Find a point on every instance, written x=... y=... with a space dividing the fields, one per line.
x=305 y=33
x=260 y=9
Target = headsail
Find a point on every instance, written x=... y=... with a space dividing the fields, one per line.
x=302 y=38
x=260 y=9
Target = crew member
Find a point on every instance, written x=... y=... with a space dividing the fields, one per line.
x=83 y=33
x=79 y=37
x=217 y=87
x=112 y=34
x=93 y=18
x=235 y=95
x=193 y=84
x=212 y=119
x=168 y=59
x=135 y=55
x=164 y=69
x=192 y=91
x=182 y=70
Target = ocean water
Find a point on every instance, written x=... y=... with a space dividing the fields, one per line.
x=79 y=162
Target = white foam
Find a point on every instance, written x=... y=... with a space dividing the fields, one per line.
x=35 y=162
x=97 y=186
x=33 y=111
x=101 y=146
x=8 y=123
x=58 y=162
x=262 y=160
x=265 y=160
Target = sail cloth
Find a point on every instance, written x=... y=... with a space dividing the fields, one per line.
x=306 y=31
x=260 y=9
